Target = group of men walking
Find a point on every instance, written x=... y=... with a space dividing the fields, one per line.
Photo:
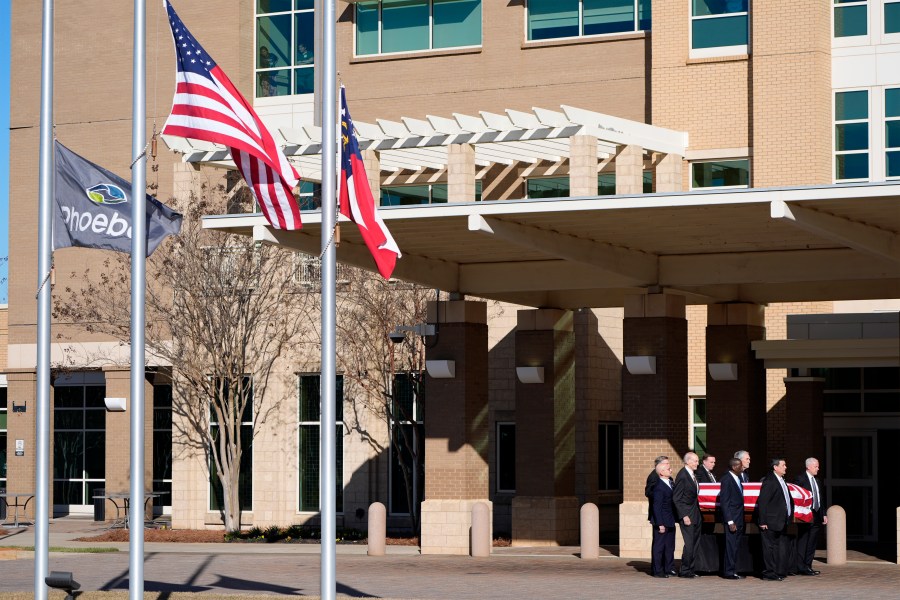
x=678 y=501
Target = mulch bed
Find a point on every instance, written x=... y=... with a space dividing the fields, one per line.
x=3 y=532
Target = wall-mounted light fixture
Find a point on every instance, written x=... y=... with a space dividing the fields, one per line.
x=641 y=365
x=530 y=374
x=441 y=369
x=114 y=404
x=723 y=371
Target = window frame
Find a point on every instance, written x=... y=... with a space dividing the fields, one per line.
x=852 y=40
x=863 y=389
x=212 y=473
x=581 y=35
x=872 y=147
x=431 y=187
x=430 y=48
x=4 y=441
x=498 y=455
x=716 y=51
x=162 y=504
x=417 y=422
x=81 y=381
x=293 y=66
x=339 y=442
x=720 y=187
x=694 y=425
x=884 y=149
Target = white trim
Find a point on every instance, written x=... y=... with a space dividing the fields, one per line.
x=717 y=51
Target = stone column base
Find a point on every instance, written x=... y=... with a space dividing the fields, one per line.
x=446 y=526
x=545 y=521
x=636 y=533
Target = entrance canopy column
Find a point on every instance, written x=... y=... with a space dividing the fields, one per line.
x=545 y=509
x=630 y=170
x=372 y=163
x=456 y=425
x=736 y=384
x=668 y=176
x=460 y=173
x=805 y=398
x=582 y=165
x=654 y=402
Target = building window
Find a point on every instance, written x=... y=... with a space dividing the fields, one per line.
x=609 y=463
x=892 y=131
x=162 y=446
x=284 y=47
x=3 y=417
x=720 y=174
x=392 y=26
x=851 y=18
x=861 y=390
x=892 y=16
x=719 y=27
x=698 y=425
x=245 y=480
x=309 y=195
x=310 y=398
x=551 y=19
x=606 y=184
x=308 y=272
x=79 y=443
x=851 y=135
x=506 y=457
x=407 y=443
x=402 y=195
x=547 y=187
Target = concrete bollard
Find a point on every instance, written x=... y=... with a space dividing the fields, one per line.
x=590 y=531
x=481 y=530
x=836 y=536
x=377 y=529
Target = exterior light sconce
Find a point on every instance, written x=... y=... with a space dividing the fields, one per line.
x=723 y=371
x=641 y=365
x=114 y=404
x=530 y=374
x=441 y=369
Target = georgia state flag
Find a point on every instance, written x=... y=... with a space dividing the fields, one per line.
x=357 y=203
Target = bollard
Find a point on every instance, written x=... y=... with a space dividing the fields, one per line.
x=377 y=529
x=481 y=530
x=590 y=531
x=836 y=536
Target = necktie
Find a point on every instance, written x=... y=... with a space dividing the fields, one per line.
x=815 y=493
x=787 y=496
x=712 y=477
x=696 y=483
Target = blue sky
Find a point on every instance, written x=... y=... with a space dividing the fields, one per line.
x=4 y=143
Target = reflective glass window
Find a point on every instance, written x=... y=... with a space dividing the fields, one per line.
x=719 y=23
x=850 y=18
x=721 y=173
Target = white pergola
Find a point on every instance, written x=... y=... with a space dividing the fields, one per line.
x=417 y=145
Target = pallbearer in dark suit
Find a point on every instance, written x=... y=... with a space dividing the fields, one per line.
x=808 y=533
x=731 y=507
x=662 y=516
x=687 y=509
x=775 y=508
x=652 y=478
x=705 y=470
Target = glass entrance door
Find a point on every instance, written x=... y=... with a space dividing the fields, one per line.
x=79 y=446
x=851 y=481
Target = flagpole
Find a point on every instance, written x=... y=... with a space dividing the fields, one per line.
x=328 y=378
x=45 y=263
x=138 y=283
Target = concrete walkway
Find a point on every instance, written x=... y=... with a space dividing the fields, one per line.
x=510 y=573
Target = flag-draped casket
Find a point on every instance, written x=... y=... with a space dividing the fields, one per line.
x=709 y=499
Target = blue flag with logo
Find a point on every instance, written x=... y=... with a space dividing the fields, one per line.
x=93 y=208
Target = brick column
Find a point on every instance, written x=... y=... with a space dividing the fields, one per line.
x=545 y=508
x=736 y=410
x=655 y=406
x=583 y=165
x=372 y=163
x=805 y=399
x=668 y=173
x=118 y=435
x=630 y=170
x=460 y=173
x=20 y=470
x=456 y=427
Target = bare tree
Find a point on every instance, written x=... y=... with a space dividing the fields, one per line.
x=221 y=312
x=384 y=377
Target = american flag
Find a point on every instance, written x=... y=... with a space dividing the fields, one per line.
x=208 y=107
x=709 y=495
x=357 y=203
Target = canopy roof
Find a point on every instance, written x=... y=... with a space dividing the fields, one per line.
x=417 y=145
x=832 y=242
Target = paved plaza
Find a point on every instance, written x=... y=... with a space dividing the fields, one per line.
x=511 y=573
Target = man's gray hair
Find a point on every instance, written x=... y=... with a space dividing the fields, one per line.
x=810 y=461
x=741 y=454
x=688 y=455
x=659 y=459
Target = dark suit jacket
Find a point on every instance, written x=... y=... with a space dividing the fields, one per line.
x=731 y=501
x=770 y=506
x=704 y=476
x=652 y=479
x=803 y=481
x=685 y=497
x=661 y=512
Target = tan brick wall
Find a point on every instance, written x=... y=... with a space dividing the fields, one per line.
x=4 y=336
